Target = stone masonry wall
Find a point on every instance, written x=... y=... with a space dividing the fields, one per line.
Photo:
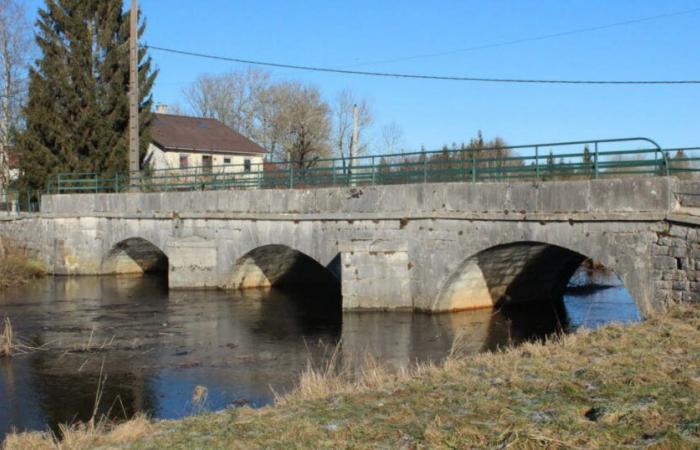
x=676 y=263
x=420 y=234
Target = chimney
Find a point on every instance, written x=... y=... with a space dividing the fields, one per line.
x=162 y=108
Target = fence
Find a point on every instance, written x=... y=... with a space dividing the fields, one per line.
x=551 y=161
x=15 y=202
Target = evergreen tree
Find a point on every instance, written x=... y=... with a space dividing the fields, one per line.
x=550 y=165
x=587 y=158
x=586 y=161
x=77 y=113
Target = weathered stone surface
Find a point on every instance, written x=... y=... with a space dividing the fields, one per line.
x=192 y=263
x=405 y=246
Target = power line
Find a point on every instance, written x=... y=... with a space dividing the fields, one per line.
x=531 y=39
x=418 y=76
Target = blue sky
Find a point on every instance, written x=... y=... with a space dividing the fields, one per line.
x=432 y=113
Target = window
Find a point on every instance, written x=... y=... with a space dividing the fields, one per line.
x=246 y=165
x=184 y=161
x=227 y=160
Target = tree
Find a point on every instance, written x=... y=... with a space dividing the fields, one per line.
x=343 y=123
x=490 y=155
x=681 y=166
x=15 y=47
x=234 y=98
x=392 y=137
x=77 y=110
x=586 y=160
x=551 y=166
x=300 y=125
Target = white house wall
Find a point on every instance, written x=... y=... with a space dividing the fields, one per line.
x=171 y=160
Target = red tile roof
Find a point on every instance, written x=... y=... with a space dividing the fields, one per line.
x=198 y=134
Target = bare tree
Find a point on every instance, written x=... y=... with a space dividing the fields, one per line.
x=233 y=98
x=392 y=137
x=299 y=123
x=15 y=46
x=342 y=123
x=289 y=119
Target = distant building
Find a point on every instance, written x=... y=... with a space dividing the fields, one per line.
x=183 y=142
x=10 y=166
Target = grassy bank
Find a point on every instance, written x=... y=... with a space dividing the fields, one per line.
x=16 y=269
x=621 y=386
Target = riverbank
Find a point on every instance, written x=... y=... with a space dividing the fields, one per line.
x=16 y=269
x=633 y=385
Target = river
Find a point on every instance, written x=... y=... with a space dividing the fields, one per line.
x=150 y=349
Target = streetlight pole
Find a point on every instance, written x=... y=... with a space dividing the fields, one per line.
x=353 y=141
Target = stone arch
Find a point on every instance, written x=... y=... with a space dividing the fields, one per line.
x=134 y=255
x=509 y=273
x=279 y=265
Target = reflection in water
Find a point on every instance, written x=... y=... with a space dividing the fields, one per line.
x=155 y=346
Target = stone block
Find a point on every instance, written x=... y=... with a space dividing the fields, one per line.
x=657 y=250
x=633 y=195
x=557 y=196
x=679 y=285
x=674 y=275
x=665 y=262
x=192 y=263
x=375 y=279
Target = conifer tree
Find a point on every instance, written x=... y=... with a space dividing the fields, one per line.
x=77 y=110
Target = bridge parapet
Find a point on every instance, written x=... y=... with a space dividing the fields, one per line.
x=593 y=197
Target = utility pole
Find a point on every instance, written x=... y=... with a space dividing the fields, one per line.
x=355 y=138
x=134 y=96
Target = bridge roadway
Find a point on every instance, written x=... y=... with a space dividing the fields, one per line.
x=432 y=247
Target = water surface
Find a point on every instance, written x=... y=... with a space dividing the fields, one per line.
x=151 y=348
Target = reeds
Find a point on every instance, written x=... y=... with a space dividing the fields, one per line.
x=6 y=338
x=16 y=268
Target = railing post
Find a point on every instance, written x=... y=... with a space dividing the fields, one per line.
x=425 y=168
x=291 y=175
x=595 y=162
x=667 y=166
x=473 y=166
x=116 y=183
x=537 y=163
x=374 y=171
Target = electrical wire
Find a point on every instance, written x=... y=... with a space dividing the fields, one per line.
x=418 y=76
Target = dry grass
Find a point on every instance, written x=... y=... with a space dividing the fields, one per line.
x=83 y=436
x=15 y=269
x=618 y=387
x=7 y=340
x=11 y=344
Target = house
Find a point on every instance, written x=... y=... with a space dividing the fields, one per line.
x=9 y=166
x=207 y=145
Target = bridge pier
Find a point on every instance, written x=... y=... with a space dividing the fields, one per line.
x=375 y=275
x=432 y=247
x=192 y=263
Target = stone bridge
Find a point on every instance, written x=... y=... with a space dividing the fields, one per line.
x=432 y=247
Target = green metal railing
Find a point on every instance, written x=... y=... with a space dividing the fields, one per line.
x=16 y=202
x=550 y=161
